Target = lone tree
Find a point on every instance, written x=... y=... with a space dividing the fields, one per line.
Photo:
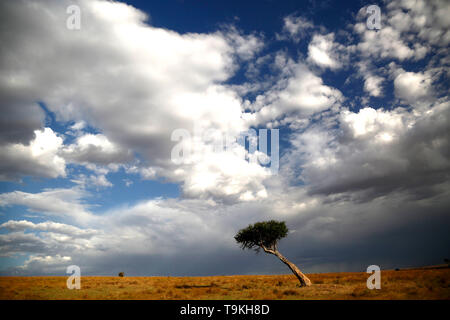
x=265 y=235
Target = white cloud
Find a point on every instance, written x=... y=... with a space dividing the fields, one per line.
x=409 y=30
x=386 y=43
x=413 y=87
x=427 y=19
x=39 y=158
x=133 y=82
x=99 y=180
x=46 y=264
x=373 y=85
x=66 y=203
x=302 y=93
x=324 y=52
x=246 y=46
x=95 y=149
x=296 y=27
x=225 y=176
x=79 y=125
x=48 y=226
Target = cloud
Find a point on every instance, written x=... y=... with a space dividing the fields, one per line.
x=39 y=158
x=47 y=226
x=296 y=28
x=98 y=181
x=413 y=87
x=325 y=53
x=95 y=149
x=374 y=152
x=425 y=18
x=133 y=82
x=410 y=30
x=387 y=43
x=372 y=85
x=225 y=176
x=355 y=182
x=19 y=242
x=301 y=93
x=45 y=263
x=246 y=46
x=154 y=237
x=65 y=203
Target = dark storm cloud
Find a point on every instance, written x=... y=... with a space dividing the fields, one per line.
x=374 y=153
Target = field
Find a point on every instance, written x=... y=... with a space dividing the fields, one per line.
x=402 y=284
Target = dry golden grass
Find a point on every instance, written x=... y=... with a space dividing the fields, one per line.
x=403 y=284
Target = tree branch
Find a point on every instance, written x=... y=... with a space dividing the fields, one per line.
x=266 y=249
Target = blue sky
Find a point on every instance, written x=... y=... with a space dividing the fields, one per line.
x=87 y=171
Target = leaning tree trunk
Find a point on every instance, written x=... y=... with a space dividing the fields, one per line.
x=304 y=281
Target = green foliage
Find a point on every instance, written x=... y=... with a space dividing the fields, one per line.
x=266 y=233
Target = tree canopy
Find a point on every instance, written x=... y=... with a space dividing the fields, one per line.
x=262 y=234
x=266 y=235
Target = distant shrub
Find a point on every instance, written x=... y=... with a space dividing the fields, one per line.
x=121 y=274
x=397 y=269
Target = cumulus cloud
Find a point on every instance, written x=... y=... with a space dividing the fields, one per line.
x=95 y=149
x=134 y=82
x=325 y=53
x=411 y=31
x=387 y=43
x=302 y=93
x=413 y=87
x=225 y=176
x=38 y=158
x=425 y=18
x=45 y=264
x=375 y=152
x=373 y=85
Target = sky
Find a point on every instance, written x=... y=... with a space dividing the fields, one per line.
x=123 y=131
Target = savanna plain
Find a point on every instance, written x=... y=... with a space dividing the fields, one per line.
x=430 y=283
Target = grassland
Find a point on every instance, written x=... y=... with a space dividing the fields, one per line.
x=403 y=284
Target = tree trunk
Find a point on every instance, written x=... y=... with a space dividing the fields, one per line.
x=304 y=281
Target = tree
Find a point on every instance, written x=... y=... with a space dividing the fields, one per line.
x=265 y=235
